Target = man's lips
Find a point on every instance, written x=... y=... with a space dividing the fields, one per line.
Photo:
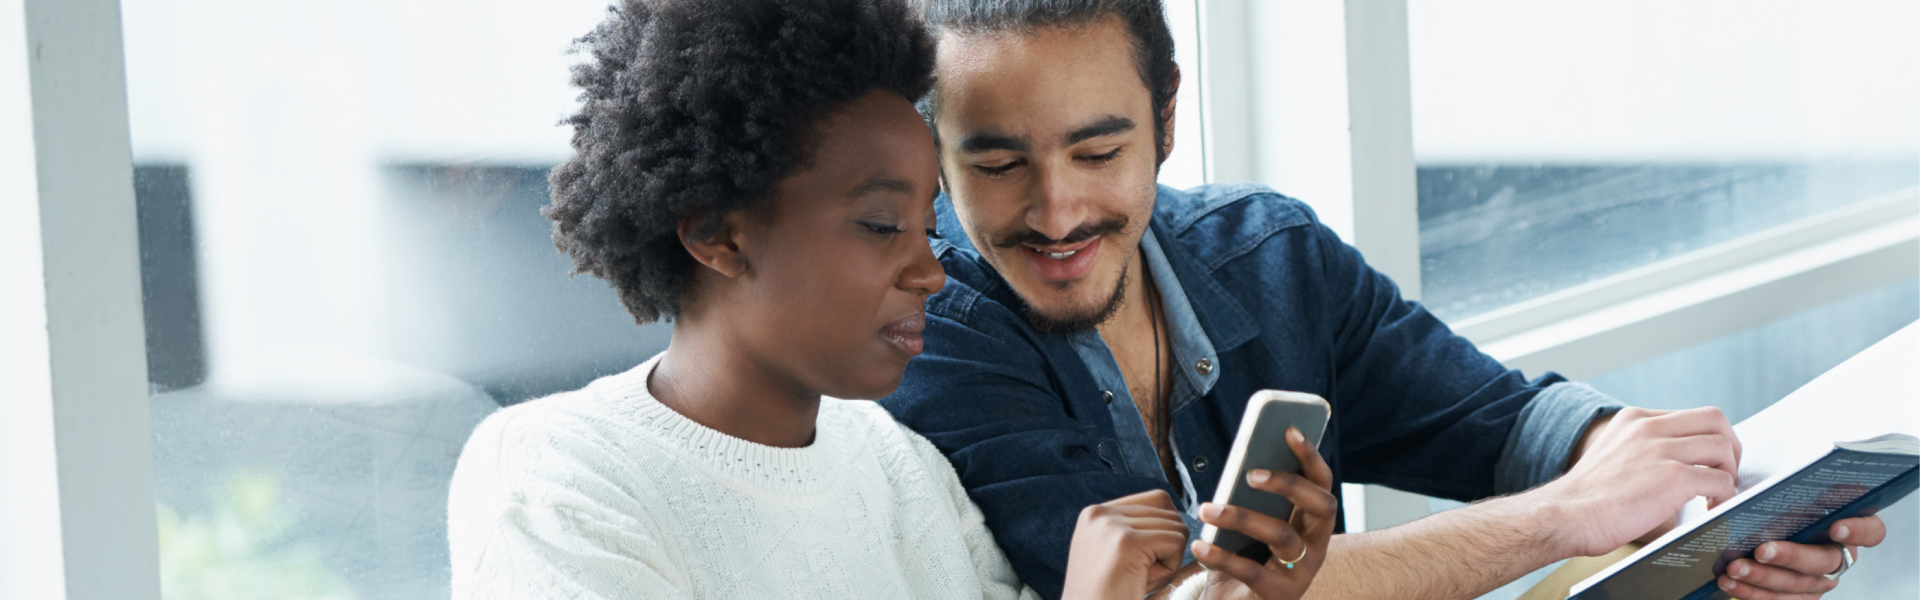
x=904 y=334
x=1062 y=262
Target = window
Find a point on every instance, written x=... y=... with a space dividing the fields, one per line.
x=1562 y=148
x=345 y=271
x=1561 y=143
x=1598 y=185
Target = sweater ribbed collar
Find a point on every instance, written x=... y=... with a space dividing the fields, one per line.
x=814 y=468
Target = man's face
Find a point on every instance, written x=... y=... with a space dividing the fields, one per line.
x=1047 y=145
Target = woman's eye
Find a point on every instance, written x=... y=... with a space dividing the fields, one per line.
x=882 y=228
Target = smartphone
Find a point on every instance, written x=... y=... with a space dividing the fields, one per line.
x=1262 y=444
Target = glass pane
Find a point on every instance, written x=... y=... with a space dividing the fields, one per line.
x=1561 y=142
x=345 y=271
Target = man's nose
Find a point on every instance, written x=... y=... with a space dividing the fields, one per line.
x=1058 y=205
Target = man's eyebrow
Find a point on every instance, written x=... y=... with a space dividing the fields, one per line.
x=983 y=142
x=882 y=184
x=1109 y=125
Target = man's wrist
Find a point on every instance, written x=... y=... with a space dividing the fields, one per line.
x=1542 y=515
x=1586 y=439
x=1461 y=553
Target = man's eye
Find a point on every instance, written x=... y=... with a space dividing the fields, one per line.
x=882 y=228
x=996 y=170
x=1101 y=159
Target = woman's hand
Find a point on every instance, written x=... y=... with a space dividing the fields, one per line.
x=1305 y=535
x=1122 y=548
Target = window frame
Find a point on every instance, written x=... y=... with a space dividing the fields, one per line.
x=76 y=465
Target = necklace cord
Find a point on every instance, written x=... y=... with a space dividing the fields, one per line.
x=1162 y=414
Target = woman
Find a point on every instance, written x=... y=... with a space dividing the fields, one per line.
x=755 y=172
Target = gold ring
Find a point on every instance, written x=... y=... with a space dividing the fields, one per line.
x=1289 y=563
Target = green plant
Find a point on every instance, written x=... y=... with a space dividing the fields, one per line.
x=241 y=550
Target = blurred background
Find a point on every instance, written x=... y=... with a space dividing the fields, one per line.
x=345 y=269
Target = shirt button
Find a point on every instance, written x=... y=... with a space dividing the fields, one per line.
x=1204 y=366
x=1106 y=395
x=1200 y=464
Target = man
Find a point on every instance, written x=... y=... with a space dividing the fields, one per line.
x=1099 y=336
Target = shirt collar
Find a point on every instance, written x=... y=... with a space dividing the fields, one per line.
x=1218 y=315
x=1193 y=352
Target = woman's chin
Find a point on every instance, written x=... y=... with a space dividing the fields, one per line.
x=872 y=388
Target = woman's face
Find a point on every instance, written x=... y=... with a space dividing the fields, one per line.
x=839 y=269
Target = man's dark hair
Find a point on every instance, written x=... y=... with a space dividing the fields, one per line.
x=1145 y=21
x=696 y=108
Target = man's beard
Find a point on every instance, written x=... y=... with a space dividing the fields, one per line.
x=1071 y=322
x=1077 y=322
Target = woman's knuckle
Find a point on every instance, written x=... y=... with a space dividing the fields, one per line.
x=1249 y=573
x=1290 y=481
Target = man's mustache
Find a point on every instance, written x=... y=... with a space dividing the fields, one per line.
x=1079 y=234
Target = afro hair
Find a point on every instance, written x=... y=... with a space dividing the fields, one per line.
x=695 y=109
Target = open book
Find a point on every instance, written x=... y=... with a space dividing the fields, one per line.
x=1798 y=505
x=1865 y=398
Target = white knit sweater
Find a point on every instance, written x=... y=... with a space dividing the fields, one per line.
x=606 y=493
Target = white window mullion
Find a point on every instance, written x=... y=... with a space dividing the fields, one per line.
x=1386 y=204
x=76 y=473
x=1313 y=98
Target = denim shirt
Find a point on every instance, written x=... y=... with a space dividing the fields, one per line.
x=1271 y=299
x=1190 y=381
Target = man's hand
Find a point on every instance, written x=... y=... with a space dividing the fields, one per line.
x=1637 y=471
x=1122 y=548
x=1305 y=535
x=1788 y=570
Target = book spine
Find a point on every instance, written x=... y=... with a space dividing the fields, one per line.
x=1710 y=591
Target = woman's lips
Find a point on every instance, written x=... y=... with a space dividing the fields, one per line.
x=904 y=334
x=1062 y=263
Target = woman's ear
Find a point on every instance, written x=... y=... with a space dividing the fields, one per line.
x=720 y=250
